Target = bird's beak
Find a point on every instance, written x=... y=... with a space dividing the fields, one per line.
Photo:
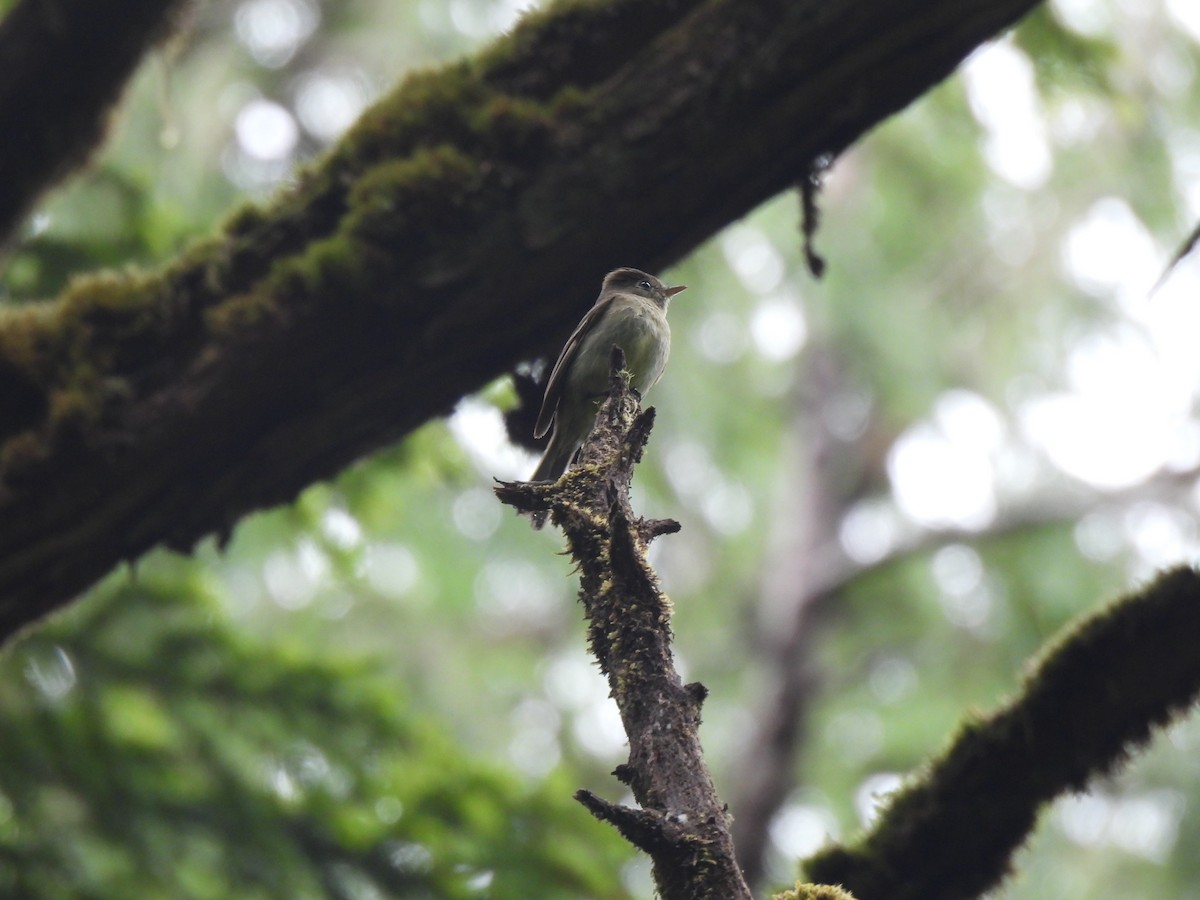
x=672 y=291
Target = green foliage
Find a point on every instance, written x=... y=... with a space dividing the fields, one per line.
x=152 y=747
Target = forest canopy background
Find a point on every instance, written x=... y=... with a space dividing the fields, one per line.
x=975 y=427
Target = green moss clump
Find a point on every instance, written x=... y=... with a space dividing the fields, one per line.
x=814 y=892
x=239 y=313
x=24 y=331
x=397 y=203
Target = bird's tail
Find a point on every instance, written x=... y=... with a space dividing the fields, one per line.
x=554 y=463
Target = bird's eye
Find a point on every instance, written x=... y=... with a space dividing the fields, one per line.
x=644 y=285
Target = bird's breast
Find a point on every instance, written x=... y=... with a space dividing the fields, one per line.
x=644 y=336
x=646 y=339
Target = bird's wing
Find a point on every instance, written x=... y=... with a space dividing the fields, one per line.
x=559 y=373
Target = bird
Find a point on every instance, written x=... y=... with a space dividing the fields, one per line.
x=630 y=313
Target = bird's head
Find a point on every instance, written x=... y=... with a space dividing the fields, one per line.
x=635 y=281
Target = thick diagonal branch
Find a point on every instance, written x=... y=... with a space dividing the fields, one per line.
x=458 y=228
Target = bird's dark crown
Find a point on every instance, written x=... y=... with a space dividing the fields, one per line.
x=635 y=281
x=629 y=279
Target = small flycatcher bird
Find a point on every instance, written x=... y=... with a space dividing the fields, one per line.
x=630 y=313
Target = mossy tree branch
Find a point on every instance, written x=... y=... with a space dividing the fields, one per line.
x=65 y=64
x=681 y=822
x=1094 y=697
x=458 y=228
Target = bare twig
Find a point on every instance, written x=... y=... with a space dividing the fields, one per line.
x=810 y=212
x=1181 y=253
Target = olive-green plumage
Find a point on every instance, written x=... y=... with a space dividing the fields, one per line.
x=630 y=313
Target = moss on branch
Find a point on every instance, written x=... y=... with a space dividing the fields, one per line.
x=1094 y=697
x=458 y=228
x=681 y=822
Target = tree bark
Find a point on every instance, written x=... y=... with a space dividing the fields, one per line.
x=679 y=821
x=460 y=227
